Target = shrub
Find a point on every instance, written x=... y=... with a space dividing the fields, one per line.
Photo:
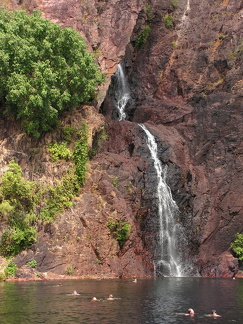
x=10 y=269
x=59 y=151
x=59 y=198
x=142 y=37
x=32 y=263
x=14 y=240
x=54 y=203
x=115 y=181
x=5 y=209
x=121 y=230
x=18 y=201
x=70 y=270
x=68 y=132
x=44 y=70
x=111 y=225
x=18 y=198
x=237 y=246
x=80 y=155
x=173 y=44
x=174 y=4
x=16 y=190
x=168 y=21
x=148 y=12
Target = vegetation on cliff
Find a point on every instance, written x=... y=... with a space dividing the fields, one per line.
x=23 y=202
x=120 y=230
x=18 y=198
x=44 y=70
x=237 y=246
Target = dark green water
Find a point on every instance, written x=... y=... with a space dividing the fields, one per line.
x=147 y=301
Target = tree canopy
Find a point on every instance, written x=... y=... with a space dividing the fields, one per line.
x=44 y=70
x=237 y=246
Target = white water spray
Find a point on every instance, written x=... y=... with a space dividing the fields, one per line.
x=184 y=24
x=122 y=94
x=170 y=232
x=186 y=12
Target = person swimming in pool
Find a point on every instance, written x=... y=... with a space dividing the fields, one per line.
x=190 y=312
x=110 y=297
x=95 y=299
x=214 y=314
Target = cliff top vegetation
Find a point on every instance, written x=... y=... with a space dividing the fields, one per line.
x=44 y=70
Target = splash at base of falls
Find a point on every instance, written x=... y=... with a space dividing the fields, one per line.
x=121 y=105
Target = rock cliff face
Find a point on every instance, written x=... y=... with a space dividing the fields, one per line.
x=187 y=88
x=185 y=78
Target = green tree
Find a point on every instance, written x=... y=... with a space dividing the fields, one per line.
x=17 y=200
x=44 y=70
x=16 y=190
x=237 y=246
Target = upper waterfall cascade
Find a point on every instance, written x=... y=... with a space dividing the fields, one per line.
x=122 y=93
x=185 y=14
x=184 y=23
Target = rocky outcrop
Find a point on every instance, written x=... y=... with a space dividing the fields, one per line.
x=186 y=87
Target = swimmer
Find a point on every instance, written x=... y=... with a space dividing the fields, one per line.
x=94 y=299
x=135 y=280
x=110 y=297
x=75 y=293
x=214 y=314
x=190 y=312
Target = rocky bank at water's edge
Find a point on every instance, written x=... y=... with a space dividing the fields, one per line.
x=186 y=87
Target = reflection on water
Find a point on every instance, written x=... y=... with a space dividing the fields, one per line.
x=161 y=300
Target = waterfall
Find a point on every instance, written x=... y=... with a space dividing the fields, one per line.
x=184 y=23
x=170 y=232
x=185 y=14
x=170 y=240
x=122 y=93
